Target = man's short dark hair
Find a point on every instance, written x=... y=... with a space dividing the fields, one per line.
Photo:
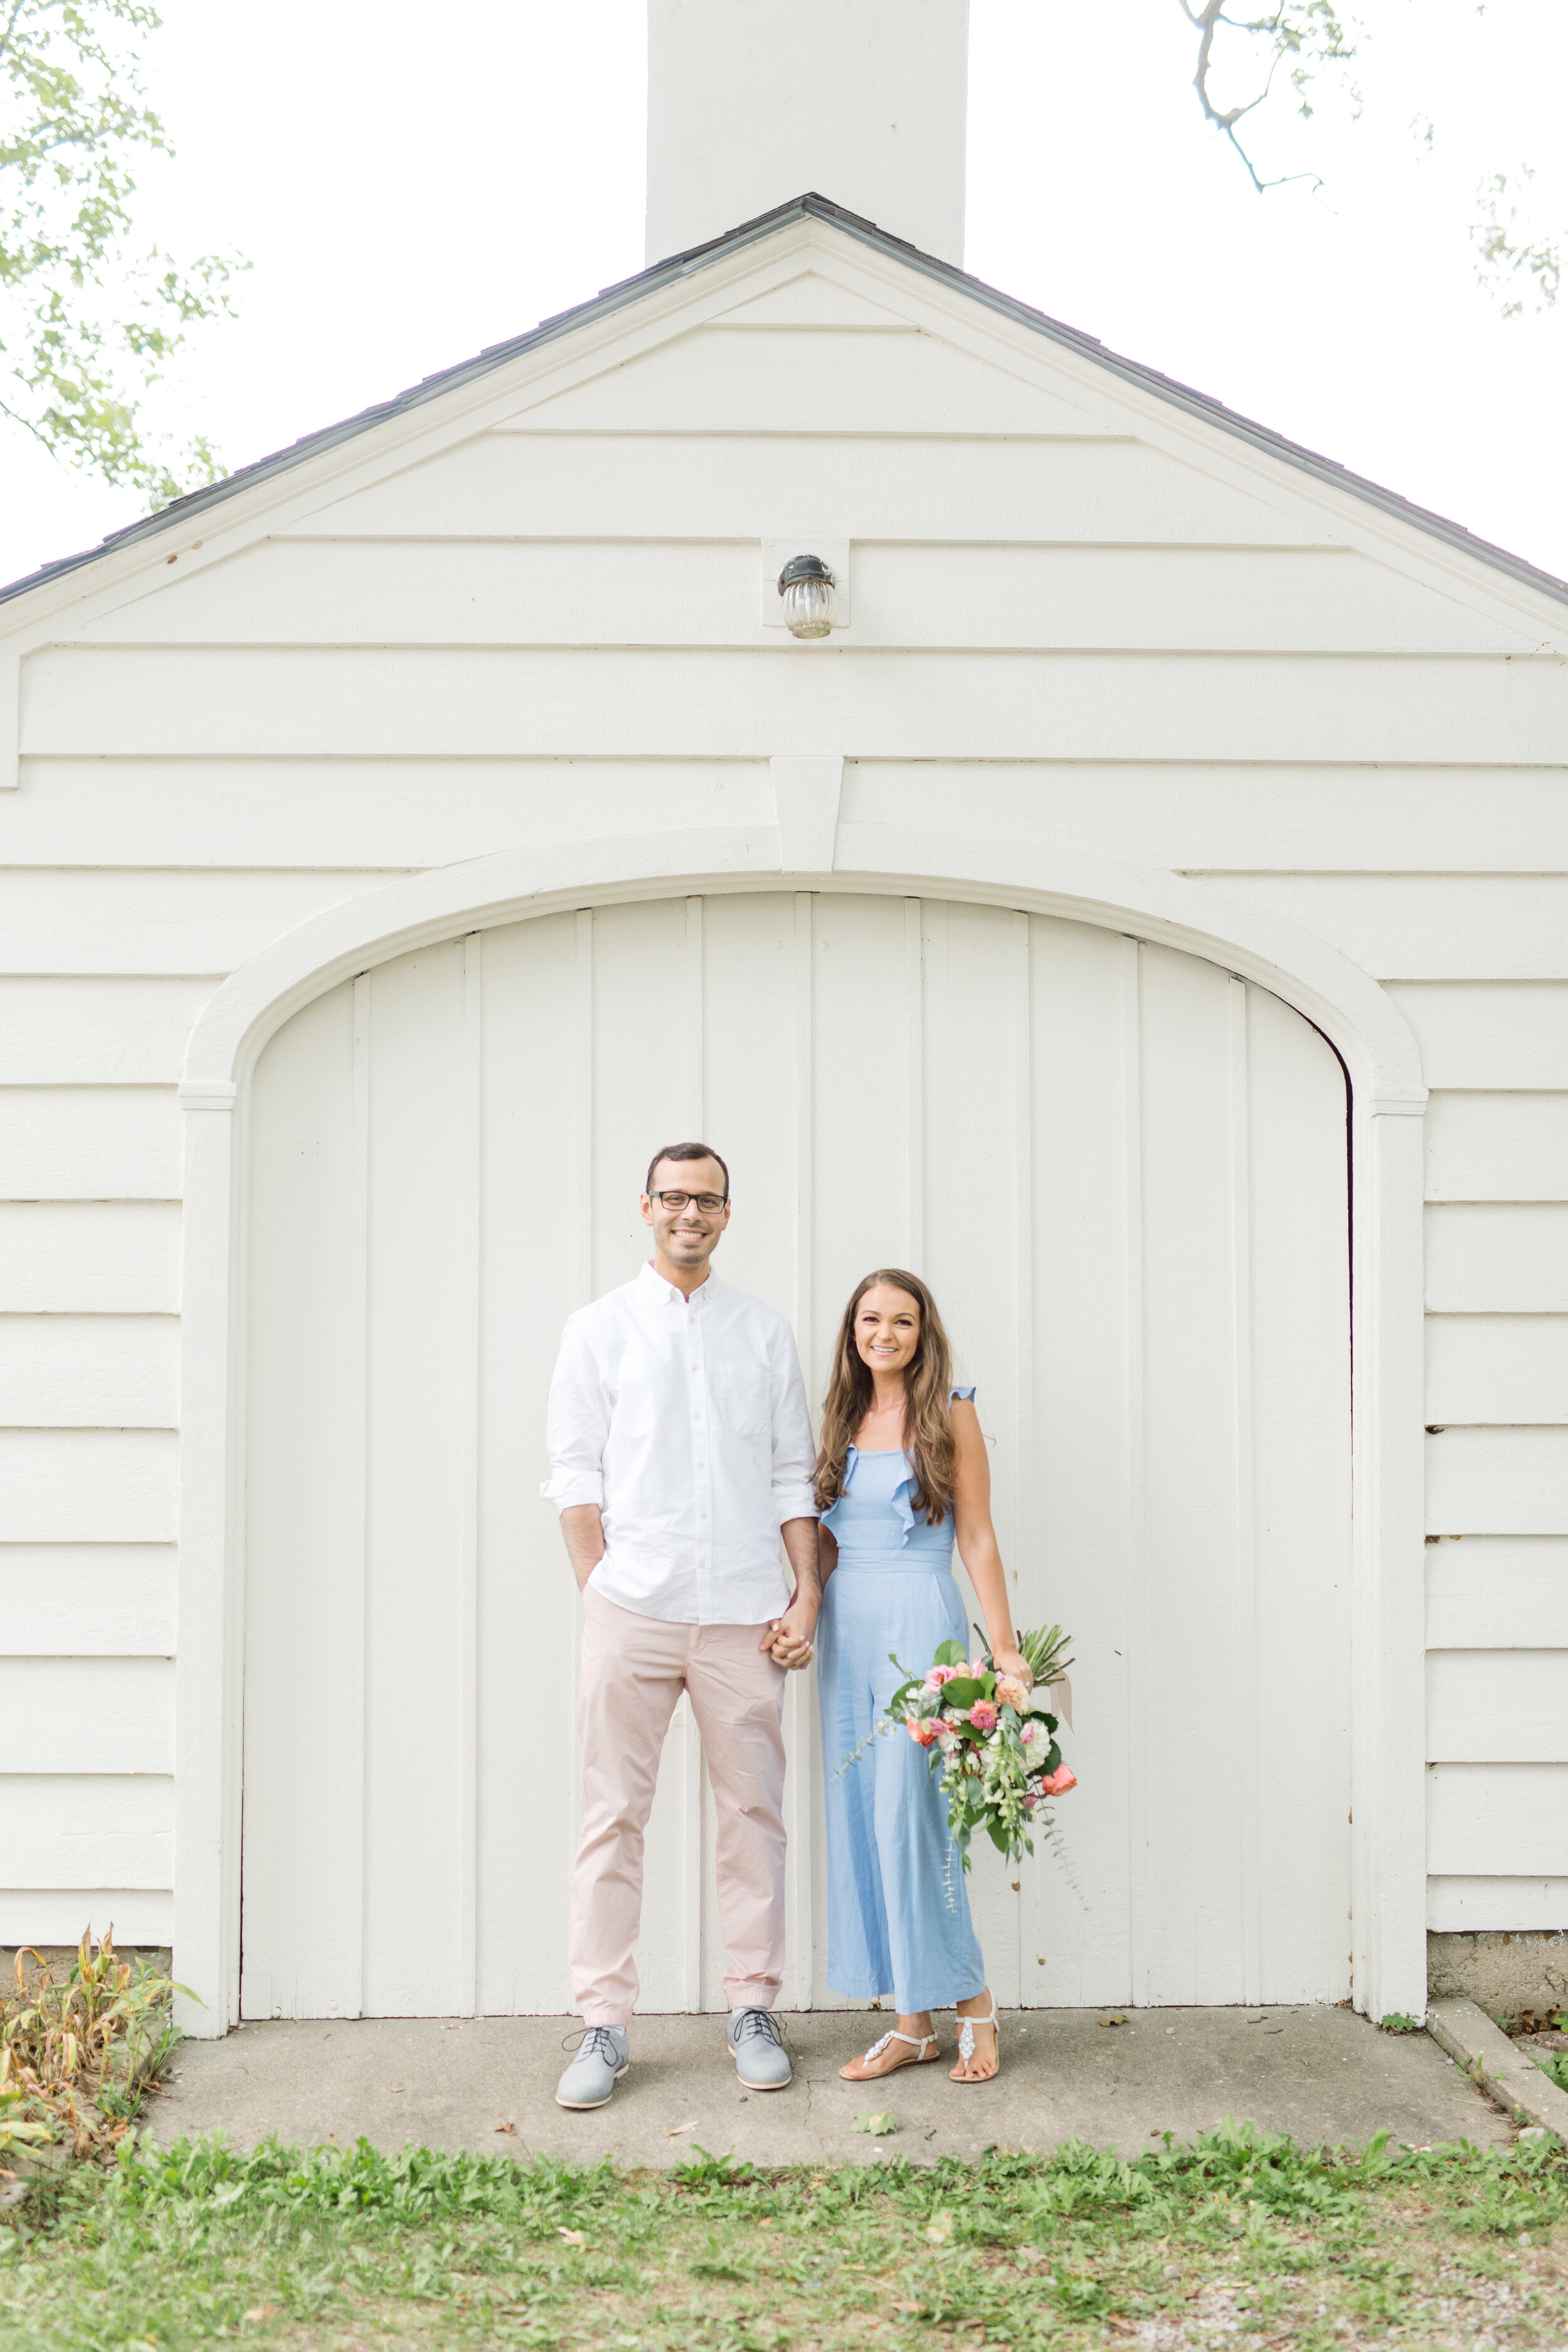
x=686 y=1151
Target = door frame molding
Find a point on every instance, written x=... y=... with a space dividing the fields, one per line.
x=1388 y=1098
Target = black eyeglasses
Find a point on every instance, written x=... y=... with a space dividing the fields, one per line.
x=707 y=1201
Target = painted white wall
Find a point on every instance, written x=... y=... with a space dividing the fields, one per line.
x=1083 y=622
x=753 y=101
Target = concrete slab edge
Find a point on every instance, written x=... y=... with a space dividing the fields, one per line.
x=1490 y=2059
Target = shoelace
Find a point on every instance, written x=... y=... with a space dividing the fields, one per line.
x=756 y=2021
x=595 y=2042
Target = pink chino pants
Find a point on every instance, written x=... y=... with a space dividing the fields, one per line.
x=634 y=1670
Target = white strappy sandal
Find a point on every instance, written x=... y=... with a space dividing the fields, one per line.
x=920 y=2043
x=966 y=2026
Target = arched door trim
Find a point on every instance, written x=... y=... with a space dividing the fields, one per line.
x=1388 y=1100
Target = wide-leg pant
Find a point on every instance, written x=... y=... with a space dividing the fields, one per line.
x=897 y=1914
x=634 y=1670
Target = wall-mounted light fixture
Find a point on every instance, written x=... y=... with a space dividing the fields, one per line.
x=810 y=601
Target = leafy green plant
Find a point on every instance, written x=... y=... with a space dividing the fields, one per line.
x=1395 y=2020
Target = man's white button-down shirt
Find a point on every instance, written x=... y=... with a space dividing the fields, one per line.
x=686 y=1421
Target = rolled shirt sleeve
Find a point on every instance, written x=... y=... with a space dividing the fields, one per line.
x=795 y=1449
x=578 y=1423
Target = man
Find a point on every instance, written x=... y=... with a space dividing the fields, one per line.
x=681 y=1450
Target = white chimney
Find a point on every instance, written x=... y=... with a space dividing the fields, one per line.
x=753 y=101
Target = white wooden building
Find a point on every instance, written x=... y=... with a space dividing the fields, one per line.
x=1144 y=913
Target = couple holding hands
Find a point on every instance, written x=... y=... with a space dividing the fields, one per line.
x=681 y=1451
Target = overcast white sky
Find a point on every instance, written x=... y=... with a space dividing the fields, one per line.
x=411 y=185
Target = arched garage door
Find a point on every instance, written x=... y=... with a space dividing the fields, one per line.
x=1122 y=1170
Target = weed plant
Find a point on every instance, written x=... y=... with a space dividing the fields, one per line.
x=1239 y=2238
x=79 y=2051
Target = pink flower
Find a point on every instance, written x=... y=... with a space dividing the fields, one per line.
x=940 y=1674
x=982 y=1716
x=1063 y=1778
x=1031 y=1731
x=924 y=1735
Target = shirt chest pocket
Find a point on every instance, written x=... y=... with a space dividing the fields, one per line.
x=741 y=1401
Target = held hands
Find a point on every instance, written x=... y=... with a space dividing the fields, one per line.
x=788 y=1638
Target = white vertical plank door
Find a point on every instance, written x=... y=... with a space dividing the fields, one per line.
x=1123 y=1173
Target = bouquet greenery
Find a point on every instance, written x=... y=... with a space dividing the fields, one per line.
x=992 y=1740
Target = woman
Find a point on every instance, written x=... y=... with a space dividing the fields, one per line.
x=901 y=1470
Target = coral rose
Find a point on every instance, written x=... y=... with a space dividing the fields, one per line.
x=924 y=1735
x=982 y=1716
x=1063 y=1778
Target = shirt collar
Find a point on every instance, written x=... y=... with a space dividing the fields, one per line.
x=668 y=1292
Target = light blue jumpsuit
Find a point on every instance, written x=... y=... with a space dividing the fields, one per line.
x=892 y=1927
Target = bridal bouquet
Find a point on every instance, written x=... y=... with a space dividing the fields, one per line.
x=992 y=1740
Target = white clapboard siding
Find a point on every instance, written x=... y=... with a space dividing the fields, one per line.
x=96 y=1032
x=1497 y=1367
x=1489 y=1034
x=1509 y=1260
x=1497 y=1147
x=75 y=922
x=402 y=1570
x=685 y=591
x=1277 y=816
x=70 y=1831
x=1496 y=1706
x=89 y=1143
x=88 y=1485
x=1498 y=1482
x=141 y=1921
x=877 y=383
x=64 y=1257
x=535 y=485
x=1504 y=1592
x=87 y=1715
x=1429 y=925
x=92 y=1371
x=786 y=697
x=84 y=1601
x=1515 y=1906
x=398 y=813
x=1489 y=1819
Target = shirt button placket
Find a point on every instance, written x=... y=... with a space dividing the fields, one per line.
x=702 y=1465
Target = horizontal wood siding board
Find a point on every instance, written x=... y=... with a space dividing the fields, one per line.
x=386 y=814
x=74 y=1257
x=1504 y=1592
x=1489 y=1034
x=90 y=1371
x=684 y=592
x=1427 y=926
x=140 y=1918
x=87 y=1715
x=1496 y=1706
x=89 y=1143
x=1498 y=1482
x=1497 y=1367
x=1497 y=1819
x=1493 y=1258
x=1517 y=1906
x=1277 y=816
x=88 y=1485
x=75 y=921
x=84 y=1601
x=69 y=1829
x=1497 y=1147
x=115 y=1030
x=784 y=698
x=877 y=487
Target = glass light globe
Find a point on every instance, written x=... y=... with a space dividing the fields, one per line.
x=810 y=597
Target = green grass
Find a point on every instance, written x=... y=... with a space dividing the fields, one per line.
x=1239 y=2238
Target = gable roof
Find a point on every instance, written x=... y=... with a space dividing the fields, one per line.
x=681 y=265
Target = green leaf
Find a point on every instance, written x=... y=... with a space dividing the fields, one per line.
x=950 y=1653
x=964 y=1690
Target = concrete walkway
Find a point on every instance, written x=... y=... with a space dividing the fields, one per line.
x=1318 y=2074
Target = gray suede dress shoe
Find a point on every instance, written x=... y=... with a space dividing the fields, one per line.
x=756 y=2046
x=601 y=2059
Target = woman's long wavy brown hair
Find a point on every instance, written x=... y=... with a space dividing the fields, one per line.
x=928 y=1391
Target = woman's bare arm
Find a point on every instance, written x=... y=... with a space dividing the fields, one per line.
x=977 y=1546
